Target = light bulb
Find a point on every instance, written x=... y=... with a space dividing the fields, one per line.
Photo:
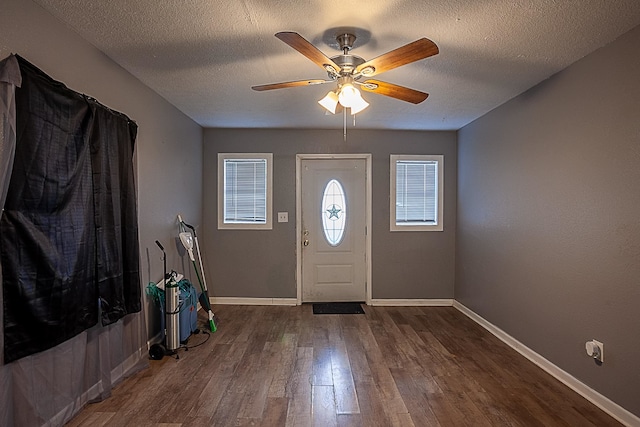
x=348 y=94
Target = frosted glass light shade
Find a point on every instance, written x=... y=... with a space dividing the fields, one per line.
x=330 y=102
x=358 y=105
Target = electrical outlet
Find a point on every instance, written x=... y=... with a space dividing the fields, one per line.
x=283 y=216
x=600 y=345
x=595 y=349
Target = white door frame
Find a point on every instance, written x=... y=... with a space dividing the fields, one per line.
x=299 y=159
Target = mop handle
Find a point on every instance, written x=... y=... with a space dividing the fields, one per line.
x=195 y=239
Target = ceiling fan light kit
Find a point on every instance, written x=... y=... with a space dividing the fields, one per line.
x=347 y=95
x=346 y=70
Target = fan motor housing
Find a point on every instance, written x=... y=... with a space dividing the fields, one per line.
x=347 y=63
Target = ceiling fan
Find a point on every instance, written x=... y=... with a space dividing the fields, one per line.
x=351 y=71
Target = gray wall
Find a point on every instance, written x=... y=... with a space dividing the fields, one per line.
x=247 y=263
x=548 y=245
x=168 y=147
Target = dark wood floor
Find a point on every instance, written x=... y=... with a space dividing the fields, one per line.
x=393 y=366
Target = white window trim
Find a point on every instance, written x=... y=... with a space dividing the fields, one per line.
x=269 y=219
x=439 y=224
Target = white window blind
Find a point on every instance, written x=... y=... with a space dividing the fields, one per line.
x=416 y=192
x=416 y=195
x=245 y=191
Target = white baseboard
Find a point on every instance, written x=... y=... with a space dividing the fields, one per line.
x=156 y=339
x=412 y=302
x=292 y=301
x=602 y=402
x=252 y=301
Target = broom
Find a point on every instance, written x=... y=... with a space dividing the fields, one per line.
x=188 y=241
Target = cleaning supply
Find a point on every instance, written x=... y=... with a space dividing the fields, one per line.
x=190 y=241
x=186 y=310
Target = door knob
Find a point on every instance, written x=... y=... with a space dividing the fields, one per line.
x=305 y=242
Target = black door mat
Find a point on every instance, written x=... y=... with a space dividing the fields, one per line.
x=338 y=308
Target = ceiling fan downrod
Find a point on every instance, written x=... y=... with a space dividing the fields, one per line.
x=345 y=41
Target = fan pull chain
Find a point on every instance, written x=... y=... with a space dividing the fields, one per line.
x=344 y=123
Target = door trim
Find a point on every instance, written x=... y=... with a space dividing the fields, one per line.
x=367 y=208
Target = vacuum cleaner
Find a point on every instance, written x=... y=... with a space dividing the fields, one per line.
x=189 y=241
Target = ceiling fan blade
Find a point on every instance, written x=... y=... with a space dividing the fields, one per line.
x=300 y=44
x=394 y=91
x=415 y=51
x=282 y=85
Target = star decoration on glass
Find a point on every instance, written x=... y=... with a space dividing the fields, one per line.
x=334 y=211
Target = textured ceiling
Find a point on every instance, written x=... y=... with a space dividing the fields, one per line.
x=203 y=56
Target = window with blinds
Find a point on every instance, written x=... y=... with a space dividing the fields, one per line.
x=416 y=193
x=244 y=190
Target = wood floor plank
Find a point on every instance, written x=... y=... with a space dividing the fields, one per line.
x=269 y=367
x=94 y=419
x=392 y=366
x=323 y=406
x=275 y=413
x=262 y=362
x=358 y=357
x=282 y=356
x=401 y=420
x=419 y=404
x=304 y=325
x=372 y=407
x=322 y=370
x=197 y=422
x=299 y=389
x=224 y=360
x=343 y=385
x=349 y=420
x=226 y=413
x=278 y=319
x=251 y=382
x=378 y=373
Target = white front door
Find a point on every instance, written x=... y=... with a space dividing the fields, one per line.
x=333 y=226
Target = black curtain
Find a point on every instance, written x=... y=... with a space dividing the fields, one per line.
x=68 y=234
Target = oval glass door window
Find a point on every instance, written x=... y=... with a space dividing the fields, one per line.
x=334 y=212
